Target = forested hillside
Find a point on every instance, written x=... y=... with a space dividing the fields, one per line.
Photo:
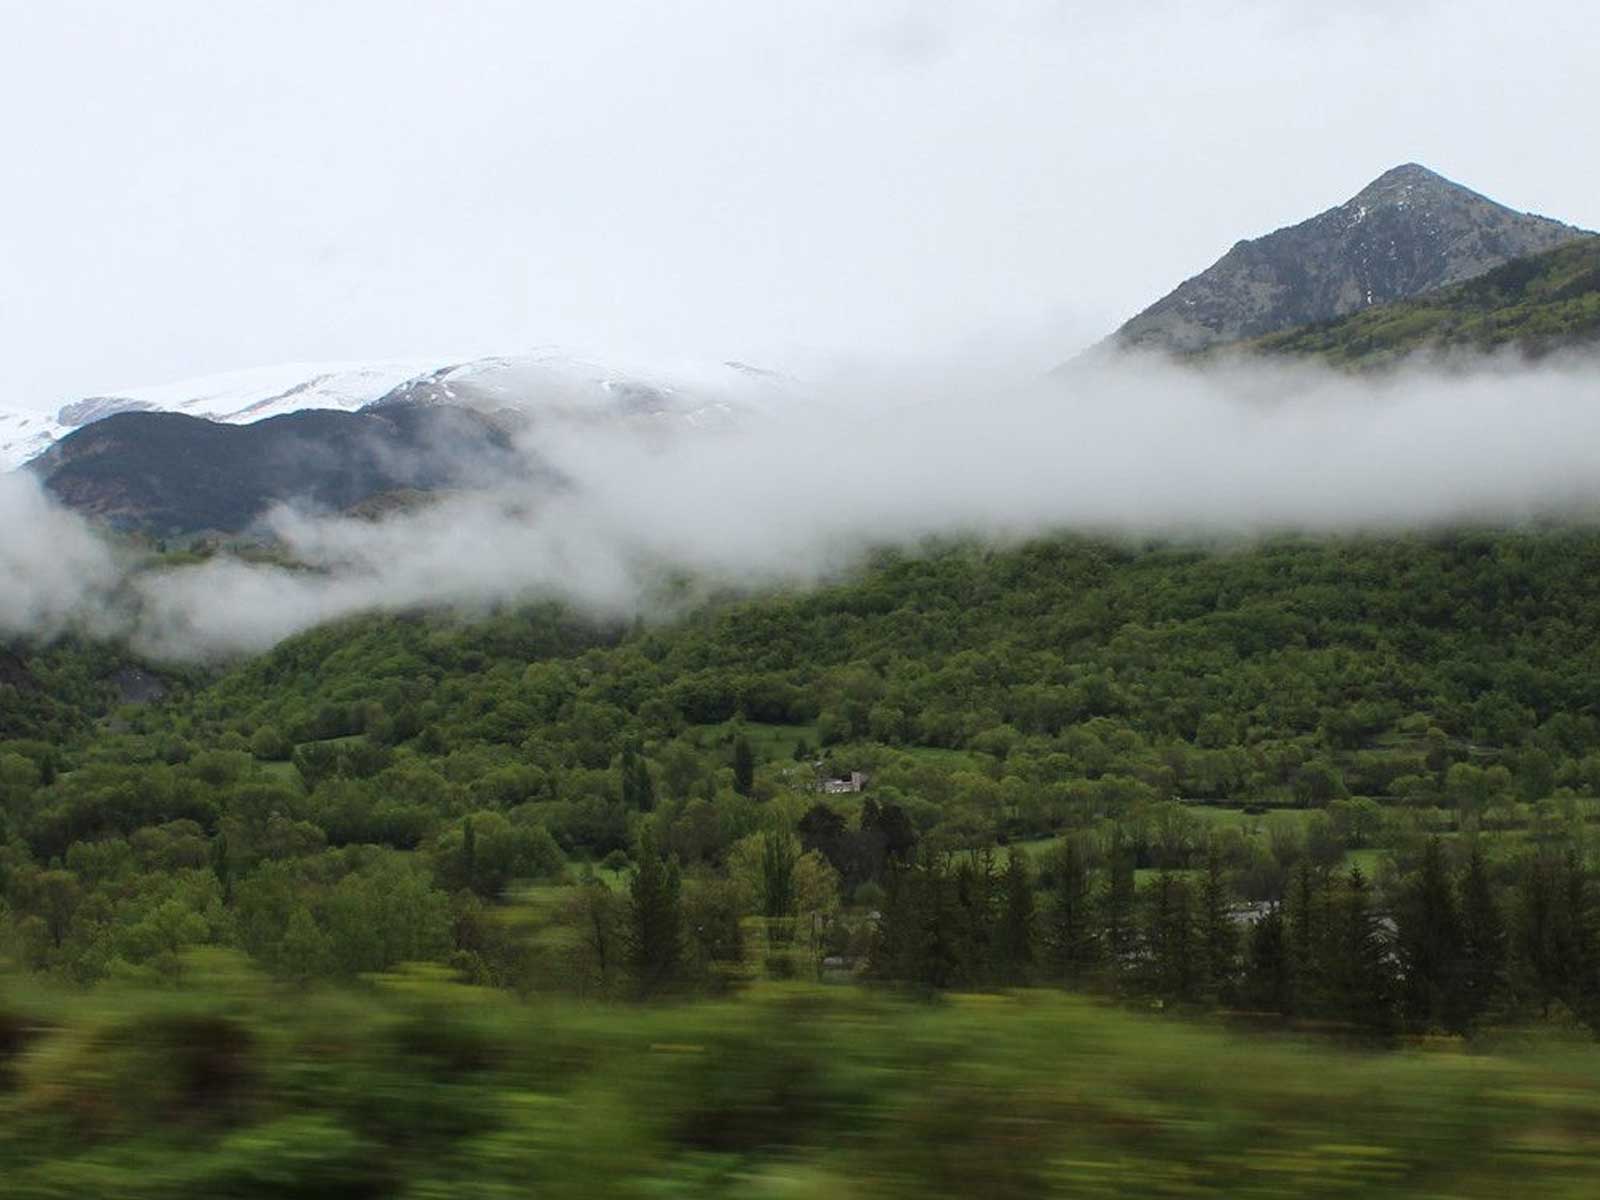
x=1202 y=725
x=1344 y=786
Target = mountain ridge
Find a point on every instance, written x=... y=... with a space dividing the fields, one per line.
x=1407 y=232
x=1535 y=307
x=170 y=474
x=545 y=384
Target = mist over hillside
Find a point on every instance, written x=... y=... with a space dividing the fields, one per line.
x=1136 y=448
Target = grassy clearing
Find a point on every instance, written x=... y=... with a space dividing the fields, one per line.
x=283 y=772
x=770 y=742
x=950 y=760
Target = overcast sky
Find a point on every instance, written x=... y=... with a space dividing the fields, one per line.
x=193 y=186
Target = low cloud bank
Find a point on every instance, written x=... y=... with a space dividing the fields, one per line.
x=54 y=570
x=794 y=495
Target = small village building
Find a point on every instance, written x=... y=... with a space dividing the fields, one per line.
x=838 y=785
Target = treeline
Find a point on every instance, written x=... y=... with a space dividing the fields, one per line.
x=1438 y=949
x=1391 y=688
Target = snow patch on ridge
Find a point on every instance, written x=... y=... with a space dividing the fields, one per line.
x=545 y=384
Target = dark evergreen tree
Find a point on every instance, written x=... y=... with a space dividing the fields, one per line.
x=1219 y=935
x=655 y=945
x=976 y=893
x=1014 y=939
x=890 y=823
x=1269 y=979
x=744 y=766
x=1070 y=931
x=894 y=933
x=936 y=953
x=824 y=831
x=1307 y=928
x=1576 y=936
x=1359 y=970
x=1483 y=943
x=1537 y=942
x=1429 y=945
x=469 y=854
x=1119 y=920
x=1168 y=955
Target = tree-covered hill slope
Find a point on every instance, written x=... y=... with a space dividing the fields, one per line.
x=1248 y=672
x=1293 y=719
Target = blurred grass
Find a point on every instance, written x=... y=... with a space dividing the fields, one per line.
x=420 y=1087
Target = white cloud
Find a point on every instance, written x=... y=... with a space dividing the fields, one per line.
x=796 y=497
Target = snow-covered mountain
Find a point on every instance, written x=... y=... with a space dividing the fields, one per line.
x=558 y=387
x=234 y=398
x=543 y=385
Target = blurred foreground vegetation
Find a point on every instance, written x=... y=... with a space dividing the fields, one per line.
x=415 y=1087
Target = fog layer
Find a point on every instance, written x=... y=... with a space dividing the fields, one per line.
x=795 y=495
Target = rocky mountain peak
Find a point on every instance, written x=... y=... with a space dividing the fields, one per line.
x=1408 y=231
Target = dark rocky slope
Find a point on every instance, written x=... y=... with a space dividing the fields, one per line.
x=1408 y=232
x=166 y=474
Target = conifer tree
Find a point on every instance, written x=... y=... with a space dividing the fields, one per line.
x=1219 y=936
x=919 y=934
x=1483 y=943
x=1118 y=918
x=895 y=933
x=1429 y=944
x=1576 y=935
x=1073 y=947
x=1306 y=928
x=937 y=962
x=744 y=766
x=1169 y=960
x=1537 y=941
x=1014 y=939
x=469 y=854
x=1269 y=981
x=975 y=894
x=655 y=944
x=1360 y=980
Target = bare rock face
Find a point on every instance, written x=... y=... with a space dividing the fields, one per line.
x=1407 y=232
